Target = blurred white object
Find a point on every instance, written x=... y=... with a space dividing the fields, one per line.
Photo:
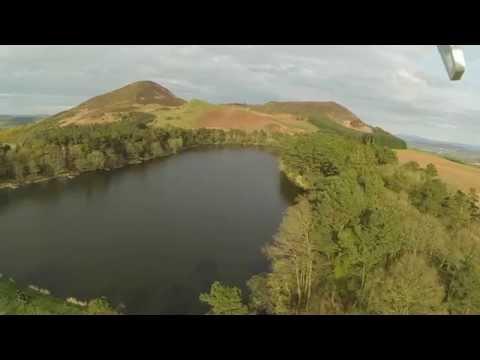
x=452 y=56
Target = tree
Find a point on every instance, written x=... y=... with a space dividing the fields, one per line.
x=385 y=155
x=431 y=171
x=224 y=300
x=475 y=202
x=293 y=252
x=458 y=211
x=410 y=286
x=100 y=306
x=33 y=167
x=412 y=166
x=464 y=288
x=259 y=301
x=96 y=160
x=429 y=197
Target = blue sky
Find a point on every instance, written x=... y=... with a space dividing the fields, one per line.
x=404 y=89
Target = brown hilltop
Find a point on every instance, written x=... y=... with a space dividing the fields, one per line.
x=108 y=107
x=140 y=92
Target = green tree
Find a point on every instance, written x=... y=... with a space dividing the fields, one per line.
x=293 y=251
x=410 y=286
x=224 y=300
x=431 y=171
x=464 y=288
x=429 y=197
x=458 y=211
x=259 y=301
x=96 y=160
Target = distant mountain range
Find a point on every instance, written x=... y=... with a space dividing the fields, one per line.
x=456 y=151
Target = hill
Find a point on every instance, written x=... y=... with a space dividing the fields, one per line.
x=155 y=106
x=198 y=114
x=332 y=117
x=463 y=177
x=151 y=102
x=140 y=92
x=328 y=109
x=146 y=100
x=111 y=106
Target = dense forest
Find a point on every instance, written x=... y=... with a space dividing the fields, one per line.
x=366 y=236
x=45 y=150
x=49 y=151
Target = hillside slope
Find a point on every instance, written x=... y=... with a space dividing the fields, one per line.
x=330 y=110
x=113 y=106
x=333 y=117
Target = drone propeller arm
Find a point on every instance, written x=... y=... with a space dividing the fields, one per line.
x=452 y=56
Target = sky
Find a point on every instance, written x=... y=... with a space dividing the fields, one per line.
x=401 y=88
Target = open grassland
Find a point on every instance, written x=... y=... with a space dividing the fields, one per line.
x=463 y=177
x=199 y=114
x=185 y=116
x=235 y=117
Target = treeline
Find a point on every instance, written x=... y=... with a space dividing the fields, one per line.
x=51 y=151
x=383 y=138
x=378 y=136
x=369 y=236
x=33 y=300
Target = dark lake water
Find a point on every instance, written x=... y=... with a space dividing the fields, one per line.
x=153 y=236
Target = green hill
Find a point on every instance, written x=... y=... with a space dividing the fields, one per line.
x=332 y=117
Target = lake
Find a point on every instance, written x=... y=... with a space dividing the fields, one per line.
x=151 y=237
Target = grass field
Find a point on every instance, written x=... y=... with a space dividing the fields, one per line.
x=200 y=114
x=460 y=176
x=184 y=116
